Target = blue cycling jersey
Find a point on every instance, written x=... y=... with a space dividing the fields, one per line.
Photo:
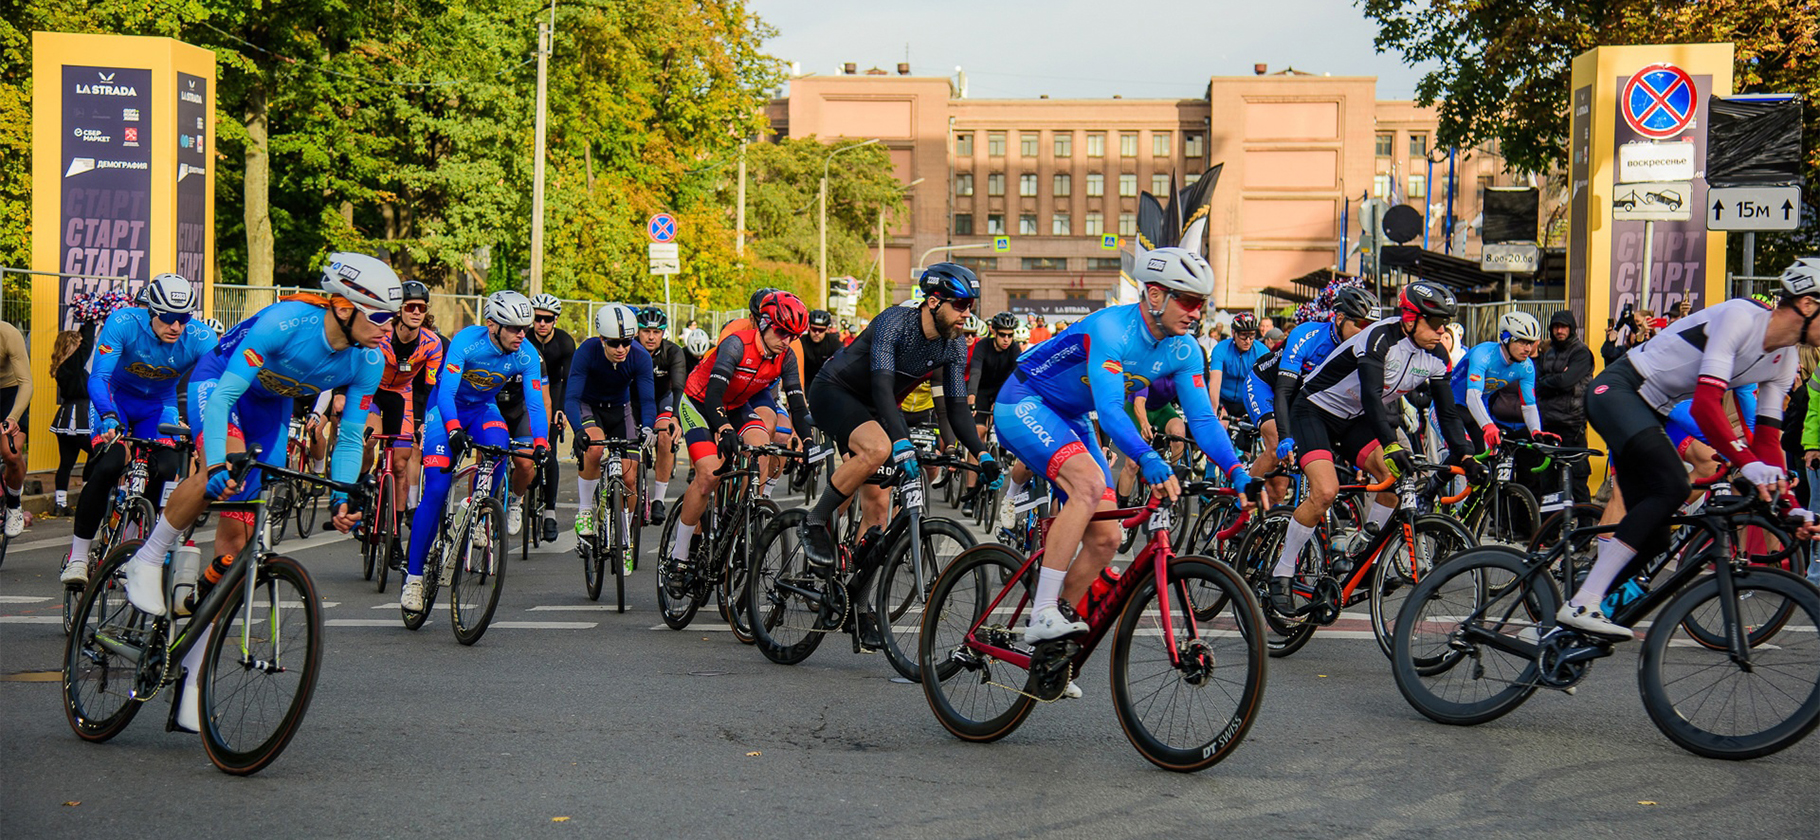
x=595 y=381
x=473 y=371
x=131 y=367
x=1099 y=360
x=1307 y=346
x=1233 y=365
x=1489 y=370
x=1682 y=426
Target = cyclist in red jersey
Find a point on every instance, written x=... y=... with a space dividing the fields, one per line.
x=411 y=354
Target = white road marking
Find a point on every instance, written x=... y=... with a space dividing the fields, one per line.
x=22 y=599
x=31 y=619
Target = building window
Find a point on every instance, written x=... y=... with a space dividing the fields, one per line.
x=1484 y=187
x=1386 y=144
x=1096 y=224
x=1096 y=185
x=1128 y=185
x=963 y=184
x=995 y=224
x=1194 y=145
x=995 y=183
x=1026 y=143
x=1103 y=264
x=1064 y=144
x=1061 y=225
x=963 y=224
x=1190 y=179
x=978 y=263
x=1044 y=263
x=1159 y=144
x=1159 y=186
x=1062 y=184
x=1026 y=184
x=1418 y=145
x=1127 y=224
x=1026 y=224
x=1074 y=294
x=1418 y=186
x=1380 y=186
x=1128 y=144
x=1015 y=295
x=995 y=143
x=1096 y=144
x=963 y=144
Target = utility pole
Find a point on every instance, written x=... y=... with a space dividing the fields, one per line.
x=821 y=293
x=544 y=31
x=739 y=215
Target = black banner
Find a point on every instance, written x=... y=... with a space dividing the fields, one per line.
x=192 y=177
x=106 y=210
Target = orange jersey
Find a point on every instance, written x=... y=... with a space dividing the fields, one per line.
x=399 y=373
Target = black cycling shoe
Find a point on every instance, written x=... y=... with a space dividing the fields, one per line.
x=1279 y=595
x=818 y=543
x=869 y=639
x=657 y=510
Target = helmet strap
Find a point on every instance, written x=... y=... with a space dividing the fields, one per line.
x=493 y=330
x=347 y=327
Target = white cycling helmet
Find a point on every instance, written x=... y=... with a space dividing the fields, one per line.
x=169 y=293
x=366 y=282
x=548 y=303
x=615 y=320
x=1175 y=269
x=1802 y=278
x=1519 y=326
x=509 y=309
x=216 y=325
x=698 y=342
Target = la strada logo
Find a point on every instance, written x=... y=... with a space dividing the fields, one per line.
x=104 y=85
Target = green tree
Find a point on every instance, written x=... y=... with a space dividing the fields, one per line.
x=782 y=218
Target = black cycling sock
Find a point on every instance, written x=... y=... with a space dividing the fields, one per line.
x=831 y=500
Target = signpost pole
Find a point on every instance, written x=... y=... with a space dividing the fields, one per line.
x=1649 y=256
x=543 y=63
x=1750 y=253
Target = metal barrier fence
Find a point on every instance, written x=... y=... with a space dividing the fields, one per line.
x=1480 y=320
x=17 y=310
x=1740 y=285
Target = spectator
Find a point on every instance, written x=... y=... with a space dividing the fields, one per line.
x=1564 y=366
x=69 y=366
x=1039 y=333
x=1265 y=325
x=1273 y=337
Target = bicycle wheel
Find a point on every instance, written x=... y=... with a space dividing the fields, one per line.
x=1187 y=689
x=783 y=597
x=306 y=510
x=479 y=562
x=1401 y=566
x=1259 y=550
x=259 y=671
x=281 y=508
x=136 y=519
x=1511 y=518
x=974 y=696
x=900 y=601
x=379 y=529
x=674 y=601
x=391 y=550
x=99 y=669
x=1760 y=542
x=1464 y=645
x=732 y=596
x=593 y=549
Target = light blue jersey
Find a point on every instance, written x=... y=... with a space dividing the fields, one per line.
x=134 y=376
x=1488 y=370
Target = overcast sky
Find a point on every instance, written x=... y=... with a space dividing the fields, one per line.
x=1077 y=48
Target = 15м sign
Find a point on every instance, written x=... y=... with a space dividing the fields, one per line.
x=1753 y=208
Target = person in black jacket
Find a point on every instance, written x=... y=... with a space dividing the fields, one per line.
x=69 y=366
x=1564 y=366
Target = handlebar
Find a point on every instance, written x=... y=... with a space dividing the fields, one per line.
x=1195 y=488
x=239 y=463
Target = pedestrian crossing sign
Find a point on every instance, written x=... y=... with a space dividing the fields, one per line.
x=1109 y=241
x=1001 y=243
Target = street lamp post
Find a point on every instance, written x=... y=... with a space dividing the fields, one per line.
x=881 y=247
x=545 y=32
x=821 y=293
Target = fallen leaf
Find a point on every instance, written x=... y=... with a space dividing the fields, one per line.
x=1646 y=802
x=752 y=754
x=1322 y=676
x=72 y=803
x=559 y=819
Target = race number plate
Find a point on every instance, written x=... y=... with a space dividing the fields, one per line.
x=913 y=495
x=1162 y=519
x=1504 y=470
x=615 y=468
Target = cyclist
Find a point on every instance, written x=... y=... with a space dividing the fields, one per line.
x=556 y=347
x=410 y=354
x=1230 y=362
x=1154 y=408
x=480 y=361
x=669 y=373
x=1362 y=378
x=991 y=363
x=611 y=378
x=1719 y=348
x=140 y=353
x=1272 y=387
x=1491 y=366
x=696 y=345
x=820 y=344
x=855 y=398
x=1042 y=417
x=16 y=397
x=722 y=404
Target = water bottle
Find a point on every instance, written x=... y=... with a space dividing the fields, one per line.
x=1099 y=591
x=1623 y=595
x=186 y=569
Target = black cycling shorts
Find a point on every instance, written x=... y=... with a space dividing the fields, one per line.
x=1320 y=436
x=837 y=413
x=1648 y=470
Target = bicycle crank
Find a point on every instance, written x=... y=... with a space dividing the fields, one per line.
x=1051 y=668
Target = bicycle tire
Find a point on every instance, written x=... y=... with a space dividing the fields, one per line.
x=98 y=680
x=1510 y=518
x=475 y=581
x=136 y=518
x=592 y=549
x=898 y=604
x=280 y=510
x=1216 y=659
x=240 y=731
x=391 y=551
x=968 y=698
x=1425 y=656
x=785 y=624
x=1767 y=626
x=432 y=581
x=1259 y=548
x=379 y=529
x=732 y=595
x=1437 y=537
x=306 y=511
x=677 y=610
x=1686 y=721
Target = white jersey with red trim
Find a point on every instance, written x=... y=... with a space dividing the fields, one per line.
x=1723 y=343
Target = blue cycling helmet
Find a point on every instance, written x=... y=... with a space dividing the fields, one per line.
x=950 y=281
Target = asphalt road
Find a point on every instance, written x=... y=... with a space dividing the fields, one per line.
x=576 y=721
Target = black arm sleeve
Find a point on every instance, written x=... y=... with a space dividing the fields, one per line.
x=1371 y=384
x=974 y=369
x=714 y=395
x=1287 y=386
x=958 y=414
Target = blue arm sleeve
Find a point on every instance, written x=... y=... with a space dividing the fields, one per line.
x=351 y=437
x=1197 y=407
x=1747 y=405
x=534 y=385
x=647 y=387
x=580 y=366
x=452 y=363
x=102 y=366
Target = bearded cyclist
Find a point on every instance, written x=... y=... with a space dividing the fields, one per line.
x=669 y=374
x=610 y=395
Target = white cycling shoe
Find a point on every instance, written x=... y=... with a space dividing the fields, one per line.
x=1057 y=622
x=189 y=707
x=515 y=516
x=145 y=586
x=75 y=573
x=1591 y=620
x=15 y=522
x=410 y=597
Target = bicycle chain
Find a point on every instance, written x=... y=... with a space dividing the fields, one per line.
x=1071 y=676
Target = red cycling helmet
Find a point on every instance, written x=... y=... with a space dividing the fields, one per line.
x=1422 y=299
x=784 y=311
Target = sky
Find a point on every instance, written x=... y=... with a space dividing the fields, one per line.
x=1082 y=48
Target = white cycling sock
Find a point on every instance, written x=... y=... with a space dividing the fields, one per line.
x=1379 y=514
x=659 y=489
x=1295 y=538
x=1613 y=555
x=680 y=550
x=585 y=488
x=1048 y=589
x=770 y=486
x=79 y=548
x=157 y=543
x=63 y=498
x=416 y=495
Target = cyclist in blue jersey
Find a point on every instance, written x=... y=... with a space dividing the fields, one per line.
x=1230 y=361
x=480 y=360
x=1268 y=399
x=140 y=354
x=240 y=396
x=1492 y=366
x=1042 y=417
x=610 y=378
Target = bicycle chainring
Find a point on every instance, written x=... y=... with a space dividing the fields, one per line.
x=1555 y=665
x=1051 y=668
x=1324 y=607
x=834 y=605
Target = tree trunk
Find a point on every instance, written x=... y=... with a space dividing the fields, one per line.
x=259 y=242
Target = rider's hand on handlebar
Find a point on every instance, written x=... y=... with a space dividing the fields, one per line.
x=1170 y=489
x=1547 y=438
x=1770 y=480
x=345 y=518
x=221 y=484
x=1399 y=460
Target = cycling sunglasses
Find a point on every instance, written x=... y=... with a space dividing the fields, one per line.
x=959 y=304
x=1438 y=322
x=1004 y=335
x=174 y=317
x=416 y=307
x=544 y=319
x=380 y=317
x=1189 y=303
x=617 y=343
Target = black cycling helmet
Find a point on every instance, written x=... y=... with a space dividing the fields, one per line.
x=1354 y=303
x=950 y=281
x=1423 y=299
x=652 y=318
x=1004 y=321
x=1244 y=322
x=820 y=318
x=415 y=290
x=757 y=298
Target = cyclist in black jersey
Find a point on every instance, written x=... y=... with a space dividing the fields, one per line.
x=556 y=347
x=669 y=373
x=855 y=397
x=994 y=358
x=820 y=343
